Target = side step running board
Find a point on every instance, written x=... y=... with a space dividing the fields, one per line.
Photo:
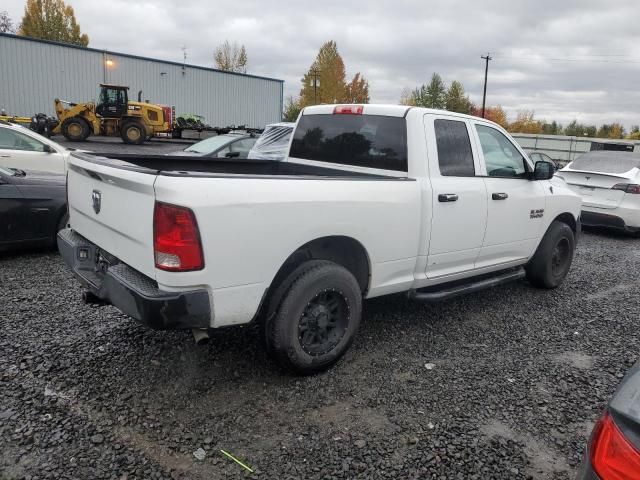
x=453 y=291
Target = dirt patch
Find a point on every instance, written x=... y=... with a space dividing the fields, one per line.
x=544 y=463
x=622 y=287
x=358 y=418
x=577 y=360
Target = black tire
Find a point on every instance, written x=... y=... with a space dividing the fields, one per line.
x=133 y=133
x=317 y=320
x=76 y=129
x=275 y=299
x=552 y=260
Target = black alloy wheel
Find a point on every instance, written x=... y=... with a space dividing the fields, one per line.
x=323 y=322
x=560 y=257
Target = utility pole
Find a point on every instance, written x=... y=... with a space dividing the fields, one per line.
x=315 y=82
x=486 y=71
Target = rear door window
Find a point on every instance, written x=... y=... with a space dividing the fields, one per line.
x=372 y=141
x=454 y=148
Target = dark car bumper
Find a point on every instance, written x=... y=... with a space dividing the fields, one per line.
x=596 y=219
x=130 y=291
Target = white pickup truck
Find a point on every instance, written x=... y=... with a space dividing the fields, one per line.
x=372 y=200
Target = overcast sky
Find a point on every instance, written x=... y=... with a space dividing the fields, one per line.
x=563 y=59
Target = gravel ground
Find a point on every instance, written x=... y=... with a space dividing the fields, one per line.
x=518 y=376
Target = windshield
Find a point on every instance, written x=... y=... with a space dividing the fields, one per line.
x=211 y=144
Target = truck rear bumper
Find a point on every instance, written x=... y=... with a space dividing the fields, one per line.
x=130 y=291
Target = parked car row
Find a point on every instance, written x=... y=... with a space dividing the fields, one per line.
x=32 y=176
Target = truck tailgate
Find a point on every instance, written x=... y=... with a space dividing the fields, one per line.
x=113 y=208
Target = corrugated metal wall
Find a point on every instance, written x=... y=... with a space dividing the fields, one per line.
x=33 y=73
x=561 y=147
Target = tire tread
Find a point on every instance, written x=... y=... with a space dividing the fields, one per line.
x=276 y=327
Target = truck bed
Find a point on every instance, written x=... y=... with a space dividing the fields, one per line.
x=213 y=167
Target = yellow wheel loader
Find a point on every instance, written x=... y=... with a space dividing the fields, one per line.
x=113 y=115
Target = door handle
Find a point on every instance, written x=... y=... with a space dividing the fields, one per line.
x=5 y=156
x=499 y=196
x=447 y=197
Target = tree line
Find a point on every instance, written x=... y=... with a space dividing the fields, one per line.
x=526 y=122
x=453 y=98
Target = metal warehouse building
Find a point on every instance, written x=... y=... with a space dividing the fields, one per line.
x=35 y=72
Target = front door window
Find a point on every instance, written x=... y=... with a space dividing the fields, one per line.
x=501 y=157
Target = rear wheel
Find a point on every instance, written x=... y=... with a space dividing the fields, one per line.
x=552 y=260
x=76 y=129
x=317 y=319
x=133 y=133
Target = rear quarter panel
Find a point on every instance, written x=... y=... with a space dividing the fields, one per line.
x=250 y=226
x=559 y=199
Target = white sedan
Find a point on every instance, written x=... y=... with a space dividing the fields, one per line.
x=25 y=149
x=609 y=184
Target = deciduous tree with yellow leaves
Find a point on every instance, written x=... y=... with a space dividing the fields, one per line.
x=52 y=20
x=325 y=81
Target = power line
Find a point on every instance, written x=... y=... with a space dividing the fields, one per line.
x=556 y=59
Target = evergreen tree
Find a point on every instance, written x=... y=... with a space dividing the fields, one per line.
x=456 y=100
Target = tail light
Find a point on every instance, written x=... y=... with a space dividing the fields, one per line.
x=348 y=109
x=627 y=188
x=176 y=239
x=612 y=456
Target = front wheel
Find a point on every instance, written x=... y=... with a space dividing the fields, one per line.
x=76 y=129
x=552 y=260
x=133 y=133
x=317 y=319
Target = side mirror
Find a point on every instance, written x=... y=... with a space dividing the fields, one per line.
x=47 y=149
x=543 y=170
x=232 y=155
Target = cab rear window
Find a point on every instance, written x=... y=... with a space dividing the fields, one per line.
x=372 y=141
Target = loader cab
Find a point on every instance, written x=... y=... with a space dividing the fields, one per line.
x=112 y=101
